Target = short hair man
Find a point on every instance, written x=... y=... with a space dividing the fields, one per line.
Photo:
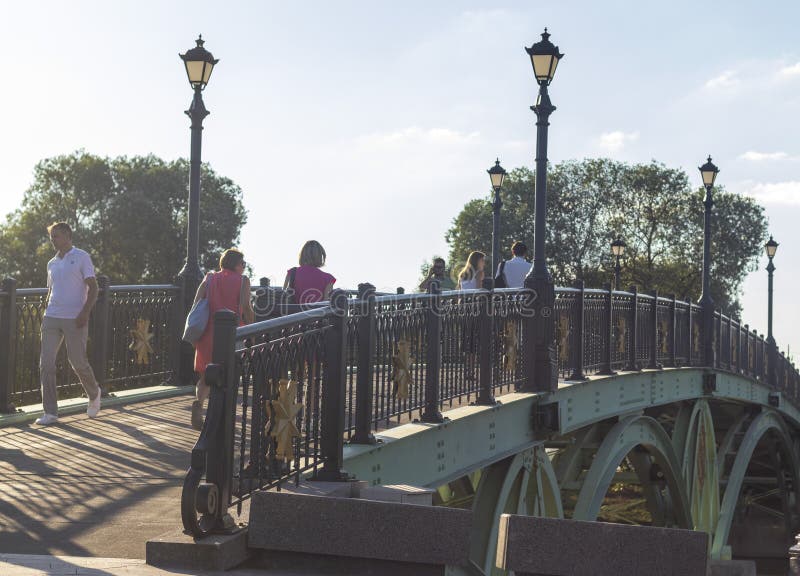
x=71 y=294
x=439 y=273
x=517 y=268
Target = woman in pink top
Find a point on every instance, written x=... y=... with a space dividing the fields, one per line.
x=307 y=282
x=229 y=289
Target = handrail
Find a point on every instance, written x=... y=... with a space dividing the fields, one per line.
x=282 y=322
x=142 y=287
x=31 y=291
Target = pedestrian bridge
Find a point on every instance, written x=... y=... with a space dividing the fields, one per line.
x=659 y=415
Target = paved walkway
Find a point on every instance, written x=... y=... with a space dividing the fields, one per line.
x=23 y=565
x=98 y=487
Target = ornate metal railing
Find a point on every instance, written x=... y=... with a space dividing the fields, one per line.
x=300 y=385
x=134 y=339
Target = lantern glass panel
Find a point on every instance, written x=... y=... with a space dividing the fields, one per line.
x=708 y=177
x=195 y=70
x=497 y=180
x=541 y=66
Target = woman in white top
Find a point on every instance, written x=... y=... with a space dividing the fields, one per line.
x=471 y=275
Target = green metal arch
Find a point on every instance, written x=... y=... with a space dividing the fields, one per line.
x=629 y=432
x=700 y=470
x=498 y=492
x=543 y=495
x=767 y=421
x=522 y=484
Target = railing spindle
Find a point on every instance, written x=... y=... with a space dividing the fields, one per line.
x=654 y=334
x=608 y=333
x=674 y=331
x=577 y=333
x=333 y=393
x=8 y=343
x=100 y=331
x=485 y=396
x=366 y=368
x=431 y=412
x=633 y=318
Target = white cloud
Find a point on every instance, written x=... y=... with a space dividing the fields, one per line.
x=615 y=141
x=776 y=192
x=726 y=80
x=754 y=156
x=792 y=71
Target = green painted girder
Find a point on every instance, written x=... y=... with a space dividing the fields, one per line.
x=599 y=398
x=433 y=454
x=477 y=436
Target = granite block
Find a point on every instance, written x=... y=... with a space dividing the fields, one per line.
x=299 y=564
x=359 y=528
x=214 y=552
x=539 y=546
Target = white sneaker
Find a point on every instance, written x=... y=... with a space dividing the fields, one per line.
x=46 y=419
x=94 y=405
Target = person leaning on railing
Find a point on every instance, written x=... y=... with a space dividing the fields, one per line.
x=230 y=289
x=471 y=278
x=306 y=283
x=438 y=272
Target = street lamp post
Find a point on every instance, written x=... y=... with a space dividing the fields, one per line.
x=771 y=247
x=617 y=250
x=496 y=175
x=709 y=173
x=199 y=63
x=541 y=373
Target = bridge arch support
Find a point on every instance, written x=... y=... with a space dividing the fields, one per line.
x=766 y=423
x=522 y=484
x=631 y=433
x=695 y=443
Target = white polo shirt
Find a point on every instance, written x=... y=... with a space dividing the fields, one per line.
x=66 y=279
x=515 y=271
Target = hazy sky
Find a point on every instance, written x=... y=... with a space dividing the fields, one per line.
x=367 y=125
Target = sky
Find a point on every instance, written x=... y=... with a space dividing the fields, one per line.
x=367 y=125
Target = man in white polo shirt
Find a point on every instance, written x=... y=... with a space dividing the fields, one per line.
x=71 y=294
x=517 y=268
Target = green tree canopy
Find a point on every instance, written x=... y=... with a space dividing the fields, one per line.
x=652 y=207
x=128 y=213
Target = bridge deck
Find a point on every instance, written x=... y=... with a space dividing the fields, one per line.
x=95 y=487
x=99 y=487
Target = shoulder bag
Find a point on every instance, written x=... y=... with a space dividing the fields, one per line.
x=197 y=320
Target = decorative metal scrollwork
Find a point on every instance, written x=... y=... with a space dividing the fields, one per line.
x=510 y=346
x=563 y=338
x=662 y=336
x=282 y=413
x=401 y=370
x=141 y=341
x=622 y=329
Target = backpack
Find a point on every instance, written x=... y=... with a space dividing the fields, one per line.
x=500 y=279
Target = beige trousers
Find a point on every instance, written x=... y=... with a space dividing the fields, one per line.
x=54 y=331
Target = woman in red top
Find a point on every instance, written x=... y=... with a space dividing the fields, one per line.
x=307 y=282
x=229 y=289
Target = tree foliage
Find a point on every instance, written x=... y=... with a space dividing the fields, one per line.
x=129 y=213
x=652 y=207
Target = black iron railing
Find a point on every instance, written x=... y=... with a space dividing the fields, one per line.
x=134 y=338
x=302 y=384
